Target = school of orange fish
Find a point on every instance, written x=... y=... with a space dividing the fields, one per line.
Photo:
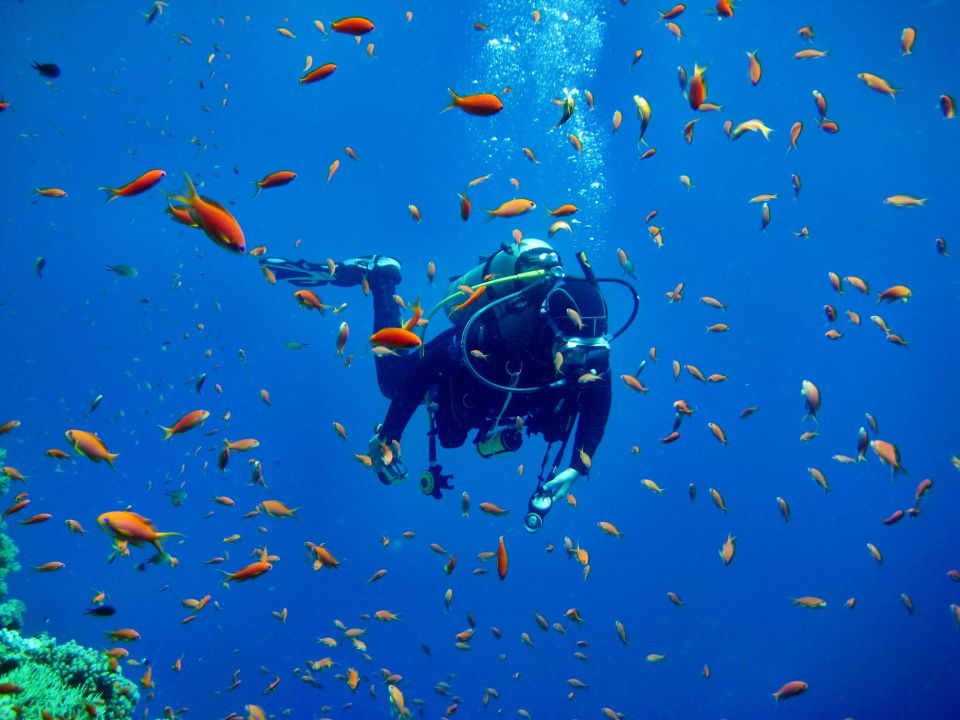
x=129 y=530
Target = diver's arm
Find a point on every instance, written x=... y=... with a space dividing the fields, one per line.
x=594 y=402
x=595 y=399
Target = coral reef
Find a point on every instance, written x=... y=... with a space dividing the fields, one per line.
x=62 y=679
x=68 y=680
x=11 y=611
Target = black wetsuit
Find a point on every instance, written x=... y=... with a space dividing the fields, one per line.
x=464 y=403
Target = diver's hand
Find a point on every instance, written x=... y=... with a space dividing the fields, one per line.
x=561 y=484
x=387 y=474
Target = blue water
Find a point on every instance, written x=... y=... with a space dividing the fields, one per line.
x=131 y=97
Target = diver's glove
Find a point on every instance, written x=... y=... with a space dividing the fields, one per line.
x=545 y=495
x=387 y=474
x=561 y=484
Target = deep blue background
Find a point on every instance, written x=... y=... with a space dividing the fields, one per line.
x=132 y=98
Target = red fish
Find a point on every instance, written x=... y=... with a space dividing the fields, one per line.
x=274 y=179
x=395 y=338
x=187 y=422
x=791 y=689
x=135 y=187
x=352 y=26
x=501 y=559
x=482 y=104
x=319 y=73
x=214 y=219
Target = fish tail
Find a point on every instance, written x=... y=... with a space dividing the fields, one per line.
x=259 y=188
x=455 y=99
x=112 y=193
x=191 y=191
x=167 y=432
x=110 y=458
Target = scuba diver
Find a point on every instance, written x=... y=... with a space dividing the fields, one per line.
x=528 y=350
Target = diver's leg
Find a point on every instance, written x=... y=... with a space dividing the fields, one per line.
x=415 y=374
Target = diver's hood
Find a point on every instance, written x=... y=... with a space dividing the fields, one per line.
x=575 y=309
x=528 y=254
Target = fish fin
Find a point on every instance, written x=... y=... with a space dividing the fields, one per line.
x=453 y=102
x=191 y=191
x=259 y=188
x=112 y=195
x=164 y=535
x=167 y=432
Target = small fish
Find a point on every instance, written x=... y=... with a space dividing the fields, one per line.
x=481 y=104
x=47 y=70
x=755 y=70
x=101 y=611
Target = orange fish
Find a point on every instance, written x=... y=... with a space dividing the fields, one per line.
x=50 y=192
x=634 y=383
x=791 y=689
x=352 y=26
x=894 y=293
x=179 y=213
x=274 y=179
x=501 y=559
x=810 y=54
x=728 y=550
x=132 y=528
x=907 y=38
x=493 y=509
x=513 y=208
x=135 y=187
x=248 y=572
x=878 y=84
x=698 y=87
x=277 y=509
x=241 y=445
x=563 y=210
x=74 y=526
x=482 y=104
x=319 y=73
x=474 y=296
x=673 y=12
x=342 y=334
x=310 y=300
x=811 y=398
x=88 y=444
x=332 y=170
x=397 y=338
x=214 y=219
x=795 y=131
x=187 y=422
x=755 y=70
x=465 y=207
x=889 y=454
x=12 y=473
x=948 y=107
